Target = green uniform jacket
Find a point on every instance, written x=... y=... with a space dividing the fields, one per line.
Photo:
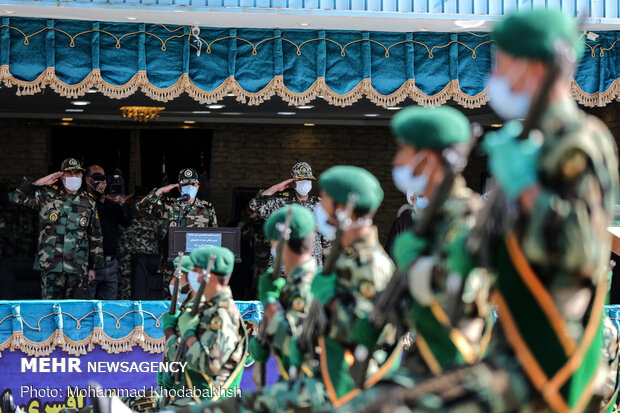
x=560 y=251
x=70 y=239
x=295 y=299
x=440 y=338
x=216 y=360
x=363 y=270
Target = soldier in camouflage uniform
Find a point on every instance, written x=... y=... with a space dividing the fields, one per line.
x=452 y=326
x=286 y=300
x=143 y=236
x=552 y=262
x=267 y=201
x=70 y=241
x=189 y=213
x=362 y=270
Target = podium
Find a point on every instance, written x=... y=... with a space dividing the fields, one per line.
x=187 y=239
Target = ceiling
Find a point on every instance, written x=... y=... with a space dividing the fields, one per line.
x=185 y=110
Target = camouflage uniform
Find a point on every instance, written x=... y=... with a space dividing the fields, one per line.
x=295 y=299
x=197 y=214
x=252 y=230
x=70 y=240
x=265 y=205
x=141 y=237
x=216 y=360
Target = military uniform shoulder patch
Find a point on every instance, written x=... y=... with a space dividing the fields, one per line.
x=53 y=217
x=83 y=221
x=298 y=304
x=367 y=289
x=215 y=323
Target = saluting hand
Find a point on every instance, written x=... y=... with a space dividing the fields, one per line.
x=278 y=187
x=166 y=189
x=49 y=179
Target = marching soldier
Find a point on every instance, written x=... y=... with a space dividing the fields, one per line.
x=447 y=297
x=70 y=241
x=286 y=300
x=185 y=211
x=347 y=294
x=551 y=263
x=277 y=196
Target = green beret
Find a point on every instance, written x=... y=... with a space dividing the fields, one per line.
x=430 y=128
x=533 y=34
x=302 y=222
x=186 y=263
x=224 y=259
x=339 y=181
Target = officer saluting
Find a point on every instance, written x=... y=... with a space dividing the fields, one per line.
x=193 y=212
x=70 y=240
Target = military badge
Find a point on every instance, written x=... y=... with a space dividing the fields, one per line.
x=188 y=173
x=72 y=162
x=367 y=289
x=215 y=324
x=53 y=217
x=299 y=303
x=83 y=221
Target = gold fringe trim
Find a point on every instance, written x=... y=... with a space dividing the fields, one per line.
x=276 y=86
x=58 y=339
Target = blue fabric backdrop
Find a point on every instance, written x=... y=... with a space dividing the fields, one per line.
x=343 y=66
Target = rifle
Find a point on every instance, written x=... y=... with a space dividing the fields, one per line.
x=492 y=221
x=389 y=302
x=179 y=354
x=316 y=321
x=175 y=291
x=258 y=374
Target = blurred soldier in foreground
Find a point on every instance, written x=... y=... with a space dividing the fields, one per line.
x=70 y=242
x=442 y=295
x=544 y=234
x=267 y=201
x=286 y=300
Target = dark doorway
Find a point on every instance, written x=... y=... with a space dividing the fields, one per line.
x=166 y=151
x=108 y=148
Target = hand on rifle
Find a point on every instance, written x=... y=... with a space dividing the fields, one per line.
x=258 y=351
x=407 y=248
x=169 y=320
x=512 y=162
x=324 y=287
x=188 y=324
x=269 y=289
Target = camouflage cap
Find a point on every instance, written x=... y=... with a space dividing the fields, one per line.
x=186 y=263
x=188 y=176
x=224 y=259
x=302 y=171
x=71 y=164
x=302 y=222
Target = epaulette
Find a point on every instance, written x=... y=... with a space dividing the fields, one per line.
x=169 y=199
x=90 y=195
x=55 y=187
x=207 y=203
x=285 y=193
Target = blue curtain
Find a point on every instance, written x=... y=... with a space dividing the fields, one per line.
x=343 y=66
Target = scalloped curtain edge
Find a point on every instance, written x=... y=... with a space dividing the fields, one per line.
x=17 y=341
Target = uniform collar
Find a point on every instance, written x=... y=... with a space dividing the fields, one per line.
x=222 y=294
x=368 y=239
x=305 y=267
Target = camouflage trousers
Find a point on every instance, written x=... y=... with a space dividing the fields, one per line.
x=305 y=395
x=124 y=277
x=60 y=285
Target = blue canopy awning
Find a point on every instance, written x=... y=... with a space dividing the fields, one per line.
x=118 y=59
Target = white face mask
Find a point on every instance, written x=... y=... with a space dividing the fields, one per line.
x=406 y=181
x=192 y=278
x=72 y=183
x=326 y=229
x=181 y=297
x=303 y=187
